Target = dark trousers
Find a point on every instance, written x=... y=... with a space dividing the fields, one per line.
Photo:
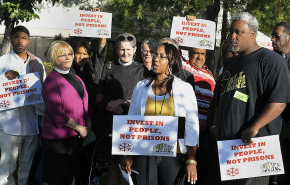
x=285 y=150
x=61 y=161
x=249 y=181
x=162 y=170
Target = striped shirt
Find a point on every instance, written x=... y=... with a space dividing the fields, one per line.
x=204 y=87
x=22 y=120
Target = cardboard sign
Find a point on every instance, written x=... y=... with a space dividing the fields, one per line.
x=261 y=158
x=145 y=135
x=199 y=33
x=91 y=24
x=19 y=92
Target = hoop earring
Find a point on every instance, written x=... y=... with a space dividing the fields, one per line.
x=170 y=72
x=134 y=56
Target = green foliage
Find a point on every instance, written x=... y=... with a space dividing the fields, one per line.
x=19 y=10
x=48 y=67
x=152 y=17
x=269 y=13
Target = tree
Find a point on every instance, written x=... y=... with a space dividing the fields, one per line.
x=154 y=17
x=13 y=11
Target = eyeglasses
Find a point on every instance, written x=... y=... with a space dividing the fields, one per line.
x=122 y=38
x=198 y=53
x=65 y=55
x=148 y=51
x=275 y=36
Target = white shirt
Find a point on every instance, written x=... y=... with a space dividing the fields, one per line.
x=185 y=105
x=22 y=120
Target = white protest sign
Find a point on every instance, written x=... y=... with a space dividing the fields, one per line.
x=199 y=33
x=145 y=135
x=19 y=92
x=261 y=158
x=91 y=24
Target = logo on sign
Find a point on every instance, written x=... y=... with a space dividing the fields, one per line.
x=78 y=31
x=205 y=43
x=179 y=40
x=102 y=32
x=33 y=98
x=5 y=104
x=270 y=167
x=125 y=147
x=233 y=171
x=162 y=149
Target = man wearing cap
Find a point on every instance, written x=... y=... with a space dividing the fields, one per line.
x=19 y=126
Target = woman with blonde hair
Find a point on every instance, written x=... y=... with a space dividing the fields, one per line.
x=64 y=123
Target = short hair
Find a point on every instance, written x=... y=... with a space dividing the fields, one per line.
x=226 y=42
x=83 y=43
x=174 y=43
x=55 y=49
x=251 y=21
x=286 y=26
x=125 y=37
x=150 y=41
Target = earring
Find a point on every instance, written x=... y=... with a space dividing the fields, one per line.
x=170 y=72
x=134 y=56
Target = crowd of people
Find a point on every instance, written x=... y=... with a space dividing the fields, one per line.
x=83 y=93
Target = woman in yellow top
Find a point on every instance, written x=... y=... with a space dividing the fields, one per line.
x=166 y=94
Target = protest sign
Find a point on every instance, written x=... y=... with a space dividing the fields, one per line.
x=19 y=92
x=91 y=24
x=199 y=33
x=145 y=135
x=261 y=158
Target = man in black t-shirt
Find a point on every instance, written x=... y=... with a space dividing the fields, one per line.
x=281 y=45
x=254 y=90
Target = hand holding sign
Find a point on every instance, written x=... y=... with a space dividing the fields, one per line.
x=248 y=134
x=10 y=75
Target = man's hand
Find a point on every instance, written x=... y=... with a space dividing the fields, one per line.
x=11 y=75
x=248 y=134
x=190 y=17
x=95 y=10
x=118 y=110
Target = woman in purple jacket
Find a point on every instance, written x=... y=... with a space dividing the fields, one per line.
x=64 y=123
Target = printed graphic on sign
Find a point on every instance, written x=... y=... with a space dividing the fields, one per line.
x=199 y=33
x=91 y=24
x=145 y=135
x=125 y=147
x=238 y=160
x=19 y=92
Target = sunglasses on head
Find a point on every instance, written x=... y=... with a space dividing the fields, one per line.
x=122 y=38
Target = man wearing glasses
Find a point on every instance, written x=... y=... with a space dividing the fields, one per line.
x=281 y=45
x=19 y=126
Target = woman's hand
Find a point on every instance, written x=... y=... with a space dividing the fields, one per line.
x=118 y=110
x=112 y=105
x=126 y=163
x=191 y=173
x=214 y=131
x=83 y=131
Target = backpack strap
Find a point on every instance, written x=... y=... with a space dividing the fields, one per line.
x=108 y=76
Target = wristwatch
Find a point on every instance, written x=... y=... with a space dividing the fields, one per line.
x=125 y=102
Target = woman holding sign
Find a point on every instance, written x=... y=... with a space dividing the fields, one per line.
x=166 y=94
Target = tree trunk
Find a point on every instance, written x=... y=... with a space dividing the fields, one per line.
x=6 y=44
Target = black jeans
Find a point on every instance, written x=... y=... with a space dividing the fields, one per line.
x=162 y=170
